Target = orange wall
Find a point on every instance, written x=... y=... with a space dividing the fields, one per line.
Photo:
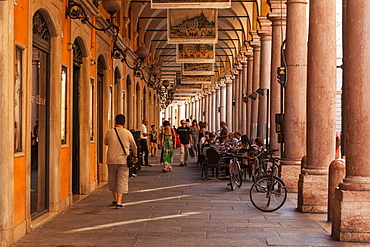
x=21 y=22
x=92 y=163
x=64 y=173
x=19 y=190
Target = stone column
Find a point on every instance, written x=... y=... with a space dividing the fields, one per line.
x=239 y=102
x=217 y=105
x=201 y=109
x=223 y=100
x=196 y=117
x=7 y=121
x=229 y=100
x=278 y=18
x=186 y=108
x=248 y=90
x=206 y=106
x=243 y=105
x=295 y=93
x=256 y=45
x=321 y=106
x=194 y=108
x=211 y=121
x=352 y=199
x=265 y=73
x=236 y=113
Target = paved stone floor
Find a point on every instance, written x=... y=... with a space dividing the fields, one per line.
x=180 y=209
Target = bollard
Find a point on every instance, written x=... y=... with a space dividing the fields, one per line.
x=337 y=171
x=303 y=162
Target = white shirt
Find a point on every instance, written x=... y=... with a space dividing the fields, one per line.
x=142 y=130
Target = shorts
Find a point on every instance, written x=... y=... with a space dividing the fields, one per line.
x=153 y=145
x=118 y=175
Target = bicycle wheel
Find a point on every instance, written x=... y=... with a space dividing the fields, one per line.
x=236 y=175
x=268 y=193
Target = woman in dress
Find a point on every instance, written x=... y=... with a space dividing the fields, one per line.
x=168 y=145
x=194 y=128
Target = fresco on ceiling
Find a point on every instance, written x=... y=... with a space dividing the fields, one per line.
x=189 y=4
x=195 y=53
x=196 y=79
x=197 y=69
x=192 y=26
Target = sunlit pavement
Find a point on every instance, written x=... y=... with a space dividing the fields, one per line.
x=179 y=208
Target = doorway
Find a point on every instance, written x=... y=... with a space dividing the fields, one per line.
x=100 y=117
x=77 y=62
x=40 y=118
x=40 y=133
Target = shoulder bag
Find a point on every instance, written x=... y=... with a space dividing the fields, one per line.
x=129 y=161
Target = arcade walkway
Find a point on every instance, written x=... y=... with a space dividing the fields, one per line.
x=180 y=209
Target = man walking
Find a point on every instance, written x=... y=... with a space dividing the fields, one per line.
x=118 y=172
x=184 y=133
x=144 y=142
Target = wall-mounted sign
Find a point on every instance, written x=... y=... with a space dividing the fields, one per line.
x=195 y=53
x=190 y=4
x=192 y=26
x=196 y=79
x=197 y=69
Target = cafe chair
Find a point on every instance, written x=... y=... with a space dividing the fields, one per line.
x=212 y=160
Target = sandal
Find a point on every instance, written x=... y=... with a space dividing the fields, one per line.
x=164 y=170
x=170 y=169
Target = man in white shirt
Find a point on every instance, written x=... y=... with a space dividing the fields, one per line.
x=144 y=145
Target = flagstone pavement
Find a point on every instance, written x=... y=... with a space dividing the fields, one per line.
x=180 y=208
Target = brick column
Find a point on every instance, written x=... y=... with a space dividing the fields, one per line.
x=321 y=94
x=265 y=73
x=352 y=199
x=295 y=93
x=256 y=45
x=278 y=18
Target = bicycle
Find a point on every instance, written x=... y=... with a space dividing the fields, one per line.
x=269 y=192
x=255 y=167
x=235 y=171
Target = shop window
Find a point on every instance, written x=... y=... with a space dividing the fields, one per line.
x=64 y=105
x=18 y=81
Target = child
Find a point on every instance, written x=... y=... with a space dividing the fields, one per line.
x=153 y=141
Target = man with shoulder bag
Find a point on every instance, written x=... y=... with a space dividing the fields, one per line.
x=119 y=141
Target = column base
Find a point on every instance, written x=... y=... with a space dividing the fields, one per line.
x=289 y=172
x=313 y=193
x=351 y=212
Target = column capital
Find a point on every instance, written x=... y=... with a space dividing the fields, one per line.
x=278 y=12
x=266 y=29
x=296 y=1
x=228 y=79
x=256 y=42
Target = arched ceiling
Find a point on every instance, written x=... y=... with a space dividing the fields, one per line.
x=234 y=25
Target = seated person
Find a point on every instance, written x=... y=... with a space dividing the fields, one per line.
x=233 y=141
x=210 y=142
x=204 y=138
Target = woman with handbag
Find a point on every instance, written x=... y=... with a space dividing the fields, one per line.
x=168 y=144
